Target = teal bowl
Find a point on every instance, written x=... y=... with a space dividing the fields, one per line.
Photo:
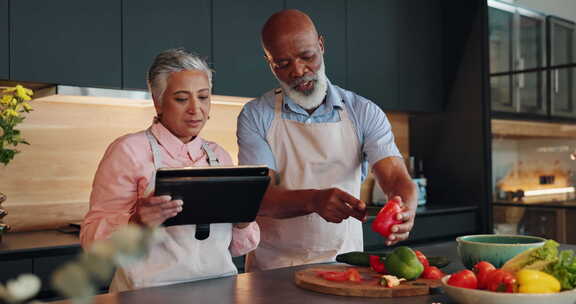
x=494 y=248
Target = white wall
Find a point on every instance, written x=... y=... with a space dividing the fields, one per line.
x=562 y=8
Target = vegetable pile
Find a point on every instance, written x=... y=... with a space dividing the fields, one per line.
x=402 y=264
x=538 y=270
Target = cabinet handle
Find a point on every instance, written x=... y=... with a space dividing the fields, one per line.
x=556 y=81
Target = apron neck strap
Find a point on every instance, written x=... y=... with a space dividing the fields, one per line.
x=155 y=149
x=212 y=158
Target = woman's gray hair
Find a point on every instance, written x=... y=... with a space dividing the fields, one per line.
x=171 y=61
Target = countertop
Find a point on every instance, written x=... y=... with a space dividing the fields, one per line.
x=38 y=243
x=273 y=286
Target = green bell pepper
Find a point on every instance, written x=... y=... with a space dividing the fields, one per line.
x=404 y=263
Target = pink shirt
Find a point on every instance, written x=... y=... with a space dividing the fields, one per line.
x=123 y=176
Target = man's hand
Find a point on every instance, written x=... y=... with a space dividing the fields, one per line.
x=401 y=232
x=335 y=205
x=154 y=210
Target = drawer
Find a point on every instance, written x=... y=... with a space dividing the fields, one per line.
x=10 y=269
x=45 y=266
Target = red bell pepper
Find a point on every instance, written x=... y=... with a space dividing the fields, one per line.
x=422 y=258
x=351 y=274
x=377 y=264
x=432 y=272
x=386 y=218
x=481 y=270
x=500 y=281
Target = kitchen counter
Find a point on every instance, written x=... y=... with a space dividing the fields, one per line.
x=274 y=286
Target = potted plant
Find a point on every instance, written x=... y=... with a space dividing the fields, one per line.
x=13 y=105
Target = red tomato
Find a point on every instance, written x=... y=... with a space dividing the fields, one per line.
x=481 y=270
x=386 y=218
x=377 y=264
x=465 y=279
x=422 y=258
x=432 y=272
x=500 y=281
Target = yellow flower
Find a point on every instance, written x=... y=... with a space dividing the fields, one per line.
x=6 y=99
x=11 y=112
x=26 y=106
x=23 y=93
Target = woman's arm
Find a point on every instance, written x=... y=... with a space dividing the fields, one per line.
x=244 y=239
x=114 y=194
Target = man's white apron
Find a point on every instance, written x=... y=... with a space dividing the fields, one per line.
x=310 y=156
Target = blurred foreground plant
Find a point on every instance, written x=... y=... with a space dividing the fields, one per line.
x=13 y=103
x=80 y=279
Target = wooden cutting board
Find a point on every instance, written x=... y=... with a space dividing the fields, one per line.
x=369 y=286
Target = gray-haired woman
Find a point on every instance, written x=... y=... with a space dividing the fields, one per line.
x=180 y=84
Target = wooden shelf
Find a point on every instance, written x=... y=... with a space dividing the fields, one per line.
x=531 y=129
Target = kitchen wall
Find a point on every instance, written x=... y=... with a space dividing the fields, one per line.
x=48 y=184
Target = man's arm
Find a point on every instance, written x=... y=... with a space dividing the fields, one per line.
x=333 y=204
x=393 y=177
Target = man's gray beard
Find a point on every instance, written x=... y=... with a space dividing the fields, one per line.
x=312 y=99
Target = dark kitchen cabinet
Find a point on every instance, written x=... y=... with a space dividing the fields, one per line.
x=4 y=41
x=395 y=55
x=517 y=57
x=561 y=34
x=372 y=36
x=238 y=57
x=421 y=86
x=531 y=55
x=501 y=33
x=66 y=42
x=329 y=16
x=145 y=34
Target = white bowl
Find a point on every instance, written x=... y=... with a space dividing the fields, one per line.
x=475 y=296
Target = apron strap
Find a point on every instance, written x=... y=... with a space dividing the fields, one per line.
x=203 y=230
x=157 y=158
x=212 y=158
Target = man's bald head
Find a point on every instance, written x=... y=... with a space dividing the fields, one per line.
x=285 y=25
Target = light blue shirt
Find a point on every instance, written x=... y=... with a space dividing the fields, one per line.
x=372 y=127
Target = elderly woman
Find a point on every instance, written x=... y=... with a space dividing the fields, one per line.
x=180 y=84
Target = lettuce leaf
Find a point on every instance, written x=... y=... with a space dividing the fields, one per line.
x=564 y=269
x=535 y=258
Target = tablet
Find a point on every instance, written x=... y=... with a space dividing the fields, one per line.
x=214 y=194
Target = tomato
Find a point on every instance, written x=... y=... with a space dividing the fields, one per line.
x=482 y=269
x=432 y=272
x=377 y=264
x=500 y=281
x=422 y=258
x=465 y=279
x=351 y=274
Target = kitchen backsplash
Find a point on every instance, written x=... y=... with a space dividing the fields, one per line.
x=48 y=184
x=537 y=161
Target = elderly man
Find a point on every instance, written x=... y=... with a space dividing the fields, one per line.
x=318 y=140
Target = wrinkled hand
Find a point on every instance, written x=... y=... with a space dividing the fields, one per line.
x=153 y=211
x=401 y=232
x=335 y=205
x=241 y=225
